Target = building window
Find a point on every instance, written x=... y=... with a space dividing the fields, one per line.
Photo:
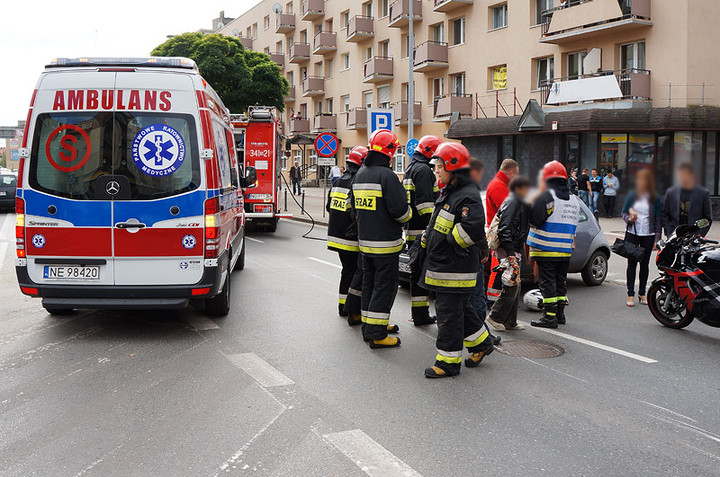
x=632 y=56
x=346 y=153
x=368 y=99
x=289 y=7
x=266 y=22
x=367 y=9
x=345 y=100
x=267 y=50
x=399 y=160
x=544 y=71
x=368 y=53
x=284 y=161
x=313 y=160
x=279 y=47
x=248 y=32
x=254 y=31
x=303 y=36
x=613 y=154
x=329 y=106
x=329 y=68
x=297 y=157
x=540 y=7
x=438 y=88
x=345 y=61
x=384 y=48
x=291 y=78
x=575 y=64
x=405 y=44
x=499 y=16
x=498 y=77
x=345 y=18
x=458 y=84
x=383 y=8
x=458 y=32
x=437 y=32
x=383 y=96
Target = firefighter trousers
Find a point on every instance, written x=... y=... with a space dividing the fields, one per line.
x=458 y=326
x=494 y=287
x=379 y=287
x=552 y=280
x=420 y=304
x=349 y=261
x=354 y=293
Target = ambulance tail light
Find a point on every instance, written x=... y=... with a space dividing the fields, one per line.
x=20 y=227
x=212 y=227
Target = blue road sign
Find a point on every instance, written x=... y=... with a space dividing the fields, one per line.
x=380 y=118
x=326 y=144
x=411 y=145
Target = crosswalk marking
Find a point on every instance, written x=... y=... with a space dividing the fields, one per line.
x=330 y=264
x=201 y=323
x=369 y=456
x=259 y=370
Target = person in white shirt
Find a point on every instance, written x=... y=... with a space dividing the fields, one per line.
x=335 y=174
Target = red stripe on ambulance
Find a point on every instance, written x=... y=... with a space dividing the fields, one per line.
x=70 y=241
x=158 y=242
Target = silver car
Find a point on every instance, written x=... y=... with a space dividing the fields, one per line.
x=590 y=257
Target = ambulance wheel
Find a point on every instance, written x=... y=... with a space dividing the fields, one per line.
x=240 y=264
x=219 y=305
x=59 y=311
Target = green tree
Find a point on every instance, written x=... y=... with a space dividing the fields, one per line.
x=241 y=77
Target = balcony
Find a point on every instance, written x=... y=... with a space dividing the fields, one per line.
x=300 y=126
x=278 y=58
x=400 y=13
x=356 y=119
x=430 y=56
x=360 y=29
x=378 y=69
x=313 y=86
x=401 y=113
x=246 y=42
x=325 y=42
x=446 y=106
x=325 y=123
x=448 y=5
x=290 y=98
x=312 y=10
x=285 y=23
x=299 y=52
x=630 y=85
x=582 y=19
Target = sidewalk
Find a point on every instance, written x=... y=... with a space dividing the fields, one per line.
x=315 y=206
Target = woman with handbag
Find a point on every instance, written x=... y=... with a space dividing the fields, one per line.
x=642 y=213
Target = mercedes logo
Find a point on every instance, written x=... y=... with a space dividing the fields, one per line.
x=112 y=187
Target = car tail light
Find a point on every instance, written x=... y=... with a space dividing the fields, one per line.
x=20 y=227
x=200 y=291
x=29 y=291
x=212 y=227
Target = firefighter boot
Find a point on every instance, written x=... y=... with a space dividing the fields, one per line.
x=549 y=318
x=386 y=342
x=438 y=372
x=354 y=319
x=475 y=359
x=390 y=329
x=560 y=313
x=341 y=310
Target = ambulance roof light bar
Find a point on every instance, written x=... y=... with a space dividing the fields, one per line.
x=153 y=61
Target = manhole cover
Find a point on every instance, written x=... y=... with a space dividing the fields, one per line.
x=530 y=349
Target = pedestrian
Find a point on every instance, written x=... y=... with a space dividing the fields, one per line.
x=583 y=185
x=451 y=264
x=496 y=194
x=642 y=213
x=573 y=182
x=381 y=208
x=611 y=184
x=335 y=174
x=512 y=234
x=479 y=299
x=554 y=217
x=342 y=238
x=596 y=185
x=296 y=178
x=419 y=182
x=686 y=203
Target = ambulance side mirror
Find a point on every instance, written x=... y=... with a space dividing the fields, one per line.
x=250 y=179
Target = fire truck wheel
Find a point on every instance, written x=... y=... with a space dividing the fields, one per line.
x=272 y=225
x=220 y=304
x=240 y=264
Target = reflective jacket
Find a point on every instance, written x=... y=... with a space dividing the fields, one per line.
x=341 y=215
x=419 y=183
x=380 y=205
x=553 y=222
x=457 y=224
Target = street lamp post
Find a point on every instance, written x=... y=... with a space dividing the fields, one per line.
x=411 y=61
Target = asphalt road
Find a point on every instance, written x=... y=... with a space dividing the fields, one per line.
x=283 y=387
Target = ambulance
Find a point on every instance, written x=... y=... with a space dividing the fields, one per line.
x=130 y=192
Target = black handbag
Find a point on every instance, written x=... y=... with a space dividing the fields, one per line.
x=629 y=250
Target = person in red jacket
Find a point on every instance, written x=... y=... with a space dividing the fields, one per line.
x=498 y=190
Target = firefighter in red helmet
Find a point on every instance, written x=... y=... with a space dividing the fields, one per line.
x=451 y=264
x=421 y=188
x=342 y=236
x=381 y=209
x=554 y=219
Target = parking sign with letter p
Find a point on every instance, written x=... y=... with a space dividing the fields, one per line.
x=380 y=118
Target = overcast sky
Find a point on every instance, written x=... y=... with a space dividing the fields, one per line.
x=32 y=32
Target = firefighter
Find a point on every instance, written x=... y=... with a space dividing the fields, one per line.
x=342 y=237
x=451 y=264
x=419 y=183
x=553 y=221
x=381 y=209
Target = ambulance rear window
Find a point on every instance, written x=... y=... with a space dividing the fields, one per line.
x=74 y=153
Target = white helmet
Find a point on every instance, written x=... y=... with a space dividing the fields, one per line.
x=533 y=300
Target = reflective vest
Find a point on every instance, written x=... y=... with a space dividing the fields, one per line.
x=340 y=215
x=555 y=238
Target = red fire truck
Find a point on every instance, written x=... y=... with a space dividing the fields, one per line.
x=260 y=142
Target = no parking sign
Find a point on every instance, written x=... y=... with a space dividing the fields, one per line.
x=326 y=144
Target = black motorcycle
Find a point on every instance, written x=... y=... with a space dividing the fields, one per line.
x=689 y=282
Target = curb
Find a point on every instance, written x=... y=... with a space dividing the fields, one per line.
x=306 y=220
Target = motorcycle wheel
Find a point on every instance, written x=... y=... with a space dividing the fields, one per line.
x=678 y=319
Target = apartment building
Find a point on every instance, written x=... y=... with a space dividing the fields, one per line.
x=616 y=84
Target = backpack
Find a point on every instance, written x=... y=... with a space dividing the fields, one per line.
x=492 y=233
